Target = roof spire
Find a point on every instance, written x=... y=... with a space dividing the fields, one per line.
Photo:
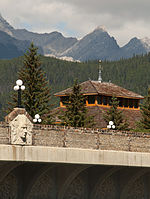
x=100 y=72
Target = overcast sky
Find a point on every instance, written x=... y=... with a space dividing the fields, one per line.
x=123 y=19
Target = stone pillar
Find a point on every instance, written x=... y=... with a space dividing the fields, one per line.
x=20 y=123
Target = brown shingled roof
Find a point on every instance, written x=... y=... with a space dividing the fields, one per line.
x=102 y=88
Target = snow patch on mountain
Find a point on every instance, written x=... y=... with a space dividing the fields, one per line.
x=146 y=42
x=65 y=58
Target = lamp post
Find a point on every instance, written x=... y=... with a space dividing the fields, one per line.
x=111 y=125
x=19 y=86
x=100 y=72
x=37 y=119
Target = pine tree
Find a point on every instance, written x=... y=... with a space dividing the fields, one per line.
x=145 y=111
x=115 y=115
x=36 y=96
x=76 y=112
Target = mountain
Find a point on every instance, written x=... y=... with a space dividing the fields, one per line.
x=146 y=43
x=100 y=45
x=5 y=26
x=96 y=45
x=51 y=43
x=135 y=47
x=11 y=47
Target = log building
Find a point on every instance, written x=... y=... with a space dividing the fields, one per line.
x=97 y=99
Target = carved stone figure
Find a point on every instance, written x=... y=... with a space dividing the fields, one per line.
x=20 y=127
x=21 y=130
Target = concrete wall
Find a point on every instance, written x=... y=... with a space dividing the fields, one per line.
x=90 y=139
x=4 y=133
x=55 y=136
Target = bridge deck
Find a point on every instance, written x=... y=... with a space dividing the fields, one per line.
x=73 y=155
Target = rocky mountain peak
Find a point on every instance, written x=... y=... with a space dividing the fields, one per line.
x=100 y=28
x=139 y=44
x=146 y=42
x=95 y=45
x=5 y=26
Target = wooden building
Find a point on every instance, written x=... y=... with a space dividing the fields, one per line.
x=97 y=99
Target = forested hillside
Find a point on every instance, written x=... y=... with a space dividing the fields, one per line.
x=133 y=74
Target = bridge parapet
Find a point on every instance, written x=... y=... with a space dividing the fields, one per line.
x=55 y=136
x=91 y=139
x=58 y=136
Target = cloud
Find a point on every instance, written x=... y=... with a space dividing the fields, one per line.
x=123 y=19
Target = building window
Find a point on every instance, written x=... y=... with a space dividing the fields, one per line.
x=64 y=100
x=125 y=102
x=109 y=100
x=99 y=99
x=104 y=100
x=91 y=99
x=136 y=103
x=120 y=102
x=131 y=101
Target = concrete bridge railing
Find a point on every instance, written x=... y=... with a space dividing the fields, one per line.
x=21 y=140
x=57 y=136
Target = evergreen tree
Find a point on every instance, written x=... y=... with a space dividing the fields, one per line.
x=36 y=96
x=115 y=115
x=76 y=112
x=145 y=111
x=0 y=109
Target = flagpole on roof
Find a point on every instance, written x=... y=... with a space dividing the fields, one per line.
x=100 y=72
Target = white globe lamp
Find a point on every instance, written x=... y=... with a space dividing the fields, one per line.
x=113 y=126
x=34 y=120
x=109 y=126
x=37 y=116
x=111 y=123
x=19 y=82
x=23 y=87
x=16 y=88
x=39 y=120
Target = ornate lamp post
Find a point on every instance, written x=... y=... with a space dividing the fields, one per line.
x=19 y=86
x=37 y=118
x=111 y=125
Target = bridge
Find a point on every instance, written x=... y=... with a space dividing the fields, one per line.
x=52 y=162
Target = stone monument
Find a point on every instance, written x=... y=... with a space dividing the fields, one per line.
x=20 y=123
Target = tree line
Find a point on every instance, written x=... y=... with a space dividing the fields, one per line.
x=131 y=74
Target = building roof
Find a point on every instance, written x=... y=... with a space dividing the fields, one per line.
x=102 y=88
